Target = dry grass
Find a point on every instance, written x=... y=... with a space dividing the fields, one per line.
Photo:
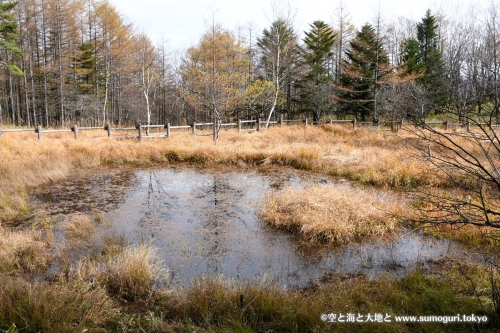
x=23 y=251
x=87 y=297
x=221 y=305
x=330 y=214
x=128 y=275
x=370 y=157
x=57 y=307
x=112 y=245
x=79 y=226
x=132 y=273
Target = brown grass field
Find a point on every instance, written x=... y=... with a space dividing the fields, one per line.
x=114 y=289
x=367 y=157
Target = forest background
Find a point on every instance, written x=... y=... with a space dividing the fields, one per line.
x=80 y=62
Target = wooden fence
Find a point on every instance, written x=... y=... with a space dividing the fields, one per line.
x=243 y=126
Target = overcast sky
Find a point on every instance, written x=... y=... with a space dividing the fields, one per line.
x=182 y=22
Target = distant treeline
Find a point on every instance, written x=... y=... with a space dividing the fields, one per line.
x=79 y=62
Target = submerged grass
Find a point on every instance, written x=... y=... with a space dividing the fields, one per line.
x=330 y=214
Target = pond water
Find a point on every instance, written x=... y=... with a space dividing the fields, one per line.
x=206 y=222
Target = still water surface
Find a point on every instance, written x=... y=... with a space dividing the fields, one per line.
x=206 y=222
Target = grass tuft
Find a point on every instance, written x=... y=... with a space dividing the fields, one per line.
x=79 y=226
x=130 y=274
x=23 y=251
x=328 y=214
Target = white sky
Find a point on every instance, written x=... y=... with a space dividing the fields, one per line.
x=182 y=22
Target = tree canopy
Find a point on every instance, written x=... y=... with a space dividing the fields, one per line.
x=80 y=62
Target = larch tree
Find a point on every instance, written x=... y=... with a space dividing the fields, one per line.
x=215 y=74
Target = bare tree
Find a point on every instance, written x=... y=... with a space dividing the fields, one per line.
x=469 y=160
x=146 y=58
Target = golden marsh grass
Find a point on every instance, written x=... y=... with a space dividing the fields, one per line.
x=114 y=291
x=23 y=251
x=79 y=226
x=129 y=274
x=372 y=158
x=330 y=214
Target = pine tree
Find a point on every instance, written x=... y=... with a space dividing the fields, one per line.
x=430 y=58
x=411 y=58
x=85 y=64
x=367 y=64
x=8 y=33
x=315 y=91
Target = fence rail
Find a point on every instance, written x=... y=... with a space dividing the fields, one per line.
x=395 y=125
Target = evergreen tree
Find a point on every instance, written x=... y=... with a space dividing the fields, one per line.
x=410 y=57
x=8 y=33
x=366 y=64
x=315 y=91
x=278 y=47
x=430 y=58
x=85 y=68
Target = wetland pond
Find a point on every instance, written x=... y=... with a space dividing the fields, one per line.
x=206 y=222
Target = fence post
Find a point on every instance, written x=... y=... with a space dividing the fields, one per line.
x=39 y=131
x=331 y=121
x=259 y=124
x=75 y=129
x=306 y=121
x=378 y=122
x=139 y=127
x=239 y=125
x=354 y=124
x=194 y=127
x=281 y=120
x=467 y=124
x=0 y=133
x=108 y=127
x=446 y=125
